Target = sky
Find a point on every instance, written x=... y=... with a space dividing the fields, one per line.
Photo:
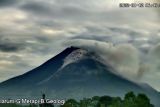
x=33 y=31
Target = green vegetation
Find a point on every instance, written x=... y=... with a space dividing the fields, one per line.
x=130 y=100
x=16 y=105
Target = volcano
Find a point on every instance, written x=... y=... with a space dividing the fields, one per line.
x=74 y=73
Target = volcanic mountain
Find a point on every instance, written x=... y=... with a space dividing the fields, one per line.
x=74 y=73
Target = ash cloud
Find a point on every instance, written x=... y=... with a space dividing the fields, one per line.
x=123 y=57
x=154 y=58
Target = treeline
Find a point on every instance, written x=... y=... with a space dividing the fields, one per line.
x=130 y=100
x=18 y=105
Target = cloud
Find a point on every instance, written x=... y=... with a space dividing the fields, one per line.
x=35 y=29
x=123 y=57
x=11 y=47
x=4 y=3
x=154 y=58
x=36 y=7
x=8 y=46
x=52 y=10
x=118 y=35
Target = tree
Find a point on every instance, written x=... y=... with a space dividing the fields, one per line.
x=116 y=102
x=96 y=98
x=143 y=101
x=105 y=100
x=129 y=100
x=130 y=96
x=70 y=103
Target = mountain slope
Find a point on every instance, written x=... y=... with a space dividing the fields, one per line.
x=74 y=73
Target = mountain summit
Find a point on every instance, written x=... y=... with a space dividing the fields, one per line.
x=74 y=73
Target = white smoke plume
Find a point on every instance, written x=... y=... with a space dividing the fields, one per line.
x=123 y=57
x=154 y=58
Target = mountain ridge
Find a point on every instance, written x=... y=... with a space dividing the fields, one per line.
x=85 y=77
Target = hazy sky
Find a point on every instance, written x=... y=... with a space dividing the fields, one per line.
x=32 y=31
